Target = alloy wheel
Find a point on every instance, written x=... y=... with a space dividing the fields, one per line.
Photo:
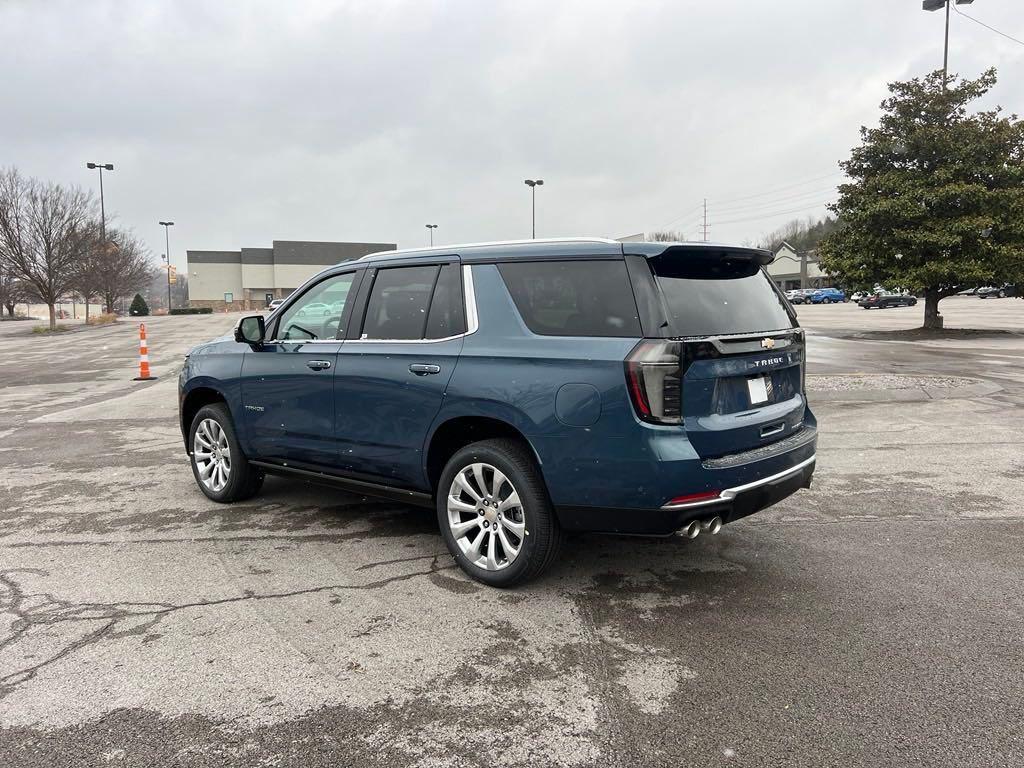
x=212 y=455
x=486 y=517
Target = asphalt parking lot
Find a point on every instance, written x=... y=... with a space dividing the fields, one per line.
x=875 y=619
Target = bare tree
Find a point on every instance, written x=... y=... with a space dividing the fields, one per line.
x=41 y=234
x=86 y=281
x=12 y=290
x=667 y=236
x=123 y=267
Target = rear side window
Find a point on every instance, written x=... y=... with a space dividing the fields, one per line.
x=397 y=308
x=716 y=295
x=573 y=298
x=447 y=316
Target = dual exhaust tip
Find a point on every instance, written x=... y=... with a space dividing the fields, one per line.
x=695 y=528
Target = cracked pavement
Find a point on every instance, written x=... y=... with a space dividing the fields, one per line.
x=874 y=620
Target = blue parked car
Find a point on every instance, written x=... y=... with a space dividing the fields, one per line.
x=521 y=390
x=828 y=296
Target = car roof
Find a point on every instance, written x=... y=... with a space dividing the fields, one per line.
x=562 y=248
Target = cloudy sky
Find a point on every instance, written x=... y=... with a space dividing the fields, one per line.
x=247 y=122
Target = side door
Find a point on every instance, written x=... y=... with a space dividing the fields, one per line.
x=288 y=381
x=394 y=368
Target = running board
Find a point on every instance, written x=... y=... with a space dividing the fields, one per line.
x=417 y=498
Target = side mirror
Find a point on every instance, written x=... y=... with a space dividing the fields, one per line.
x=250 y=330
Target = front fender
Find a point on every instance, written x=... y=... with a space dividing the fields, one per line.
x=215 y=368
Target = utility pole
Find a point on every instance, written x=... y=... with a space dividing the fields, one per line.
x=704 y=226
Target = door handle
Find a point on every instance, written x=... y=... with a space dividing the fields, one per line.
x=318 y=365
x=423 y=369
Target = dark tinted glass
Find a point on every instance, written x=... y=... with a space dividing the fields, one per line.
x=573 y=298
x=397 y=308
x=715 y=296
x=447 y=317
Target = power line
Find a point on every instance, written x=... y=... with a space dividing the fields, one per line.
x=784 y=188
x=986 y=26
x=699 y=206
x=774 y=213
x=785 y=199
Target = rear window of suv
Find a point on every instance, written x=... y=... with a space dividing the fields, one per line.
x=714 y=295
x=573 y=298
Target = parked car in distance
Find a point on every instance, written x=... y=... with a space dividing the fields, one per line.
x=859 y=296
x=315 y=309
x=275 y=304
x=520 y=390
x=991 y=292
x=827 y=296
x=887 y=300
x=799 y=295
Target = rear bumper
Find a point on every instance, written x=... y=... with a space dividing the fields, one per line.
x=732 y=504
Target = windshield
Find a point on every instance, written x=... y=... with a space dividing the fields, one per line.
x=715 y=295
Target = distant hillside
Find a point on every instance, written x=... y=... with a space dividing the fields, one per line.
x=802 y=234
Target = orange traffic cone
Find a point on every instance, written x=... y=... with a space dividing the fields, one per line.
x=143 y=356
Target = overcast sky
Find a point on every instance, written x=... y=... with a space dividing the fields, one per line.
x=246 y=122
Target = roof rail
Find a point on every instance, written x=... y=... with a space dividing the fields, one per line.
x=457 y=246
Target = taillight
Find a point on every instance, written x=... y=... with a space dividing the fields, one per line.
x=654 y=379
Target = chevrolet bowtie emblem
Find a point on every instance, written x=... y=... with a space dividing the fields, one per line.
x=768 y=343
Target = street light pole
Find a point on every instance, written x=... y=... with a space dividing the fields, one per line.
x=103 y=214
x=167 y=246
x=533 y=184
x=430 y=229
x=934 y=5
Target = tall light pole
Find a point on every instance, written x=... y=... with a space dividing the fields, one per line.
x=431 y=228
x=934 y=5
x=533 y=184
x=167 y=255
x=101 y=167
x=103 y=218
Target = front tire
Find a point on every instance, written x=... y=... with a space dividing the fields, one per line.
x=495 y=515
x=219 y=466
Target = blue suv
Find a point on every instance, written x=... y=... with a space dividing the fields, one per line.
x=520 y=390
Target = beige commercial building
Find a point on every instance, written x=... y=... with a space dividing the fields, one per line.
x=251 y=278
x=797 y=269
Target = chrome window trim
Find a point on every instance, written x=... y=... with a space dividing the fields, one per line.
x=731 y=493
x=472 y=317
x=307 y=341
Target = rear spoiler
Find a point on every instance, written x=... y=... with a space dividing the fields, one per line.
x=698 y=250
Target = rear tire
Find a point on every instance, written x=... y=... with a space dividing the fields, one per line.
x=219 y=466
x=499 y=525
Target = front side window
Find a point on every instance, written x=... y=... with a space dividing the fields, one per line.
x=398 y=304
x=317 y=313
x=573 y=298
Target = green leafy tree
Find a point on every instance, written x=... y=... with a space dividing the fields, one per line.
x=935 y=200
x=139 y=306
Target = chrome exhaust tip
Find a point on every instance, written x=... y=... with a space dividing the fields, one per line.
x=712 y=526
x=691 y=531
